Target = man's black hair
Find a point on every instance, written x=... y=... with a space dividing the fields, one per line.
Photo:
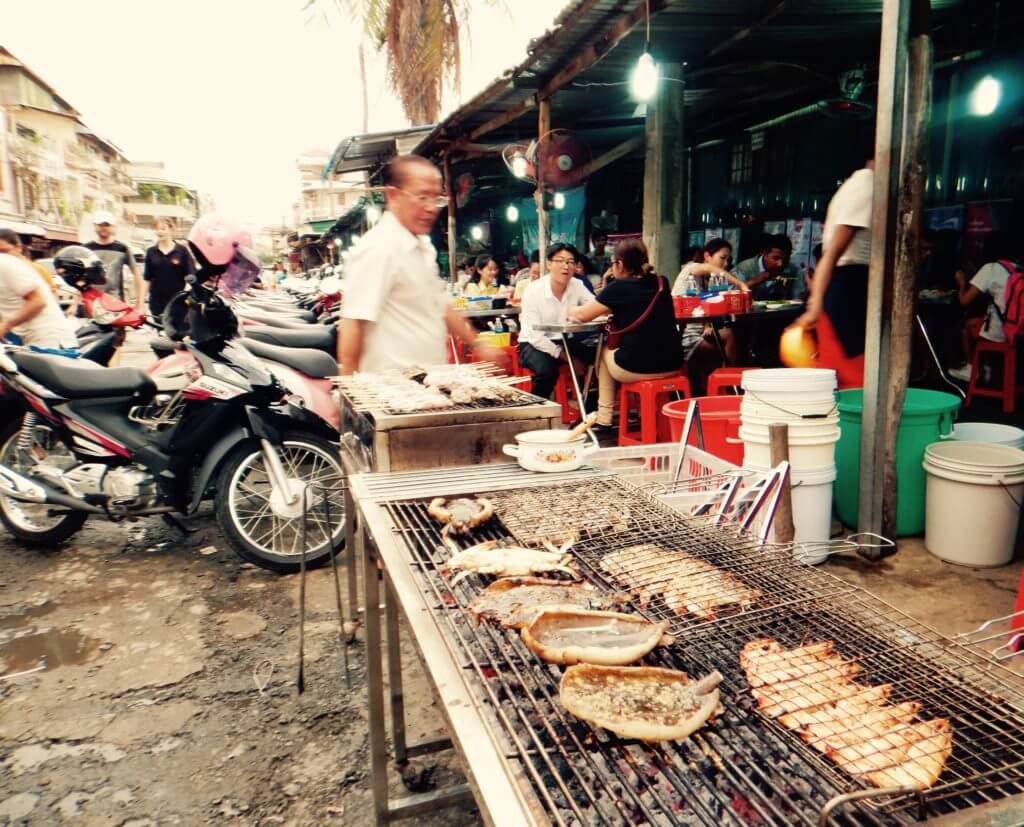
x=777 y=242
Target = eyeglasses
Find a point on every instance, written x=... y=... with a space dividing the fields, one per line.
x=426 y=200
x=569 y=262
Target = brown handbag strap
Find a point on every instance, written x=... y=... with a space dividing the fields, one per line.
x=639 y=320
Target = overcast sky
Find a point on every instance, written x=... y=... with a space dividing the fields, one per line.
x=229 y=92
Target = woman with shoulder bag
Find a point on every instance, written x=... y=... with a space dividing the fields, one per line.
x=642 y=339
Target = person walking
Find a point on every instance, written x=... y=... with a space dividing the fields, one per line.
x=166 y=266
x=10 y=242
x=395 y=313
x=115 y=256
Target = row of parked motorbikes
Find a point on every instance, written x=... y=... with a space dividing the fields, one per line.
x=238 y=410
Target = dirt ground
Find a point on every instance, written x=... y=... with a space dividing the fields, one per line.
x=168 y=694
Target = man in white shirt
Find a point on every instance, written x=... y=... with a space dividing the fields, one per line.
x=29 y=309
x=548 y=300
x=838 y=302
x=396 y=313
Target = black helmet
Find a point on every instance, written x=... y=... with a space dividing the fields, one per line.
x=78 y=264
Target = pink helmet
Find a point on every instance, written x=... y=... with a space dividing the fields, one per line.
x=219 y=239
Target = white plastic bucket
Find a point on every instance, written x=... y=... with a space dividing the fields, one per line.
x=755 y=405
x=989 y=432
x=793 y=384
x=973 y=492
x=805 y=452
x=803 y=427
x=812 y=508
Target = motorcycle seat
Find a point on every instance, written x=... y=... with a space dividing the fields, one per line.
x=314 y=363
x=73 y=380
x=320 y=337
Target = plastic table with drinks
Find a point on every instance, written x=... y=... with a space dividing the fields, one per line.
x=564 y=331
x=736 y=310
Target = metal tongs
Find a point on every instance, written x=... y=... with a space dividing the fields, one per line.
x=1008 y=650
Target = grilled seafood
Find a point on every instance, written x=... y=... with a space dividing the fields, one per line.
x=645 y=702
x=460 y=515
x=810 y=690
x=687 y=584
x=514 y=602
x=570 y=636
x=510 y=561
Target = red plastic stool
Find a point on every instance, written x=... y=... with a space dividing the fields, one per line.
x=565 y=395
x=651 y=395
x=1007 y=391
x=722 y=378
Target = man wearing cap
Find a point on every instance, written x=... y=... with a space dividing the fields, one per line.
x=115 y=257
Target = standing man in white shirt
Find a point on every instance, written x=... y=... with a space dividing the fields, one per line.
x=548 y=300
x=838 y=303
x=396 y=312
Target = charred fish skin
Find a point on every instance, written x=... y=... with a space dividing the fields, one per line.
x=509 y=561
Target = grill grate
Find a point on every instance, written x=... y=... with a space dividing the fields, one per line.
x=744 y=768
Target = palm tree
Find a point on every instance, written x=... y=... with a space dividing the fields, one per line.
x=420 y=39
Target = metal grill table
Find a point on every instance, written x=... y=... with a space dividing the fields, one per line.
x=528 y=761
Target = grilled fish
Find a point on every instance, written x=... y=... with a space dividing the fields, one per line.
x=570 y=636
x=685 y=583
x=515 y=601
x=644 y=702
x=810 y=689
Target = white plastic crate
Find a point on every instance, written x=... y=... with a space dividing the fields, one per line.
x=651 y=467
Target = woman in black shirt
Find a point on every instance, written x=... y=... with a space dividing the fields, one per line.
x=640 y=303
x=168 y=264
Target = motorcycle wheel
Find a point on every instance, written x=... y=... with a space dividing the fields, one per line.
x=33 y=523
x=261 y=527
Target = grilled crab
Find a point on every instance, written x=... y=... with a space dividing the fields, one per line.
x=511 y=561
x=461 y=515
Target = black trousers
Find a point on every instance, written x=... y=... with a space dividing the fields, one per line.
x=544 y=367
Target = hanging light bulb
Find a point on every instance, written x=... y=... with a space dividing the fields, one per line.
x=512 y=214
x=476 y=232
x=519 y=165
x=559 y=201
x=372 y=213
x=985 y=96
x=644 y=82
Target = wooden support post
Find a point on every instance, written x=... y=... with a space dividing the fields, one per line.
x=778 y=441
x=904 y=92
x=543 y=127
x=449 y=187
x=664 y=171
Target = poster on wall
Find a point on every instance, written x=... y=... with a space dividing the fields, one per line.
x=732 y=235
x=774 y=227
x=713 y=232
x=981 y=219
x=945 y=218
x=799 y=232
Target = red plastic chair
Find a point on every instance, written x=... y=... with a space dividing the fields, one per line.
x=565 y=395
x=722 y=378
x=1007 y=390
x=650 y=394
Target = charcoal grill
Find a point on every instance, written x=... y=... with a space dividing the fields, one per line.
x=529 y=762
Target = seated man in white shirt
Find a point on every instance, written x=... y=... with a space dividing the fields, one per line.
x=29 y=309
x=548 y=300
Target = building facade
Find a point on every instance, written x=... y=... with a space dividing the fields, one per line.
x=157 y=196
x=322 y=201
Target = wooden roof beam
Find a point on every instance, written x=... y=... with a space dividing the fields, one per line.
x=601 y=161
x=747 y=31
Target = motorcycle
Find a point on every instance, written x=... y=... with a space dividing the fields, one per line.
x=98 y=442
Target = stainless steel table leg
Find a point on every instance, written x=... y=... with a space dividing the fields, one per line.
x=395 y=675
x=575 y=382
x=351 y=564
x=935 y=357
x=374 y=683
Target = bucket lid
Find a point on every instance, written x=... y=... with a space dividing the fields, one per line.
x=976 y=457
x=918 y=401
x=987 y=432
x=790 y=380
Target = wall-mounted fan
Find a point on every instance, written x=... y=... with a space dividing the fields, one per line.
x=558 y=155
x=848 y=106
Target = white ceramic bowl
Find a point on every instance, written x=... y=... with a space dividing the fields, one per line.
x=548 y=452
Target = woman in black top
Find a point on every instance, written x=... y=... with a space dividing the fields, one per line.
x=649 y=350
x=168 y=264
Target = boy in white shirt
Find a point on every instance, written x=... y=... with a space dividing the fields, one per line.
x=29 y=309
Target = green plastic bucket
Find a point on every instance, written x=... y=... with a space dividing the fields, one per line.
x=927 y=418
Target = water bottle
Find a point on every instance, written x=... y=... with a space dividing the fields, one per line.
x=498 y=326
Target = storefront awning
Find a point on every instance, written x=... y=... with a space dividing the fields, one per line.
x=21 y=228
x=62 y=235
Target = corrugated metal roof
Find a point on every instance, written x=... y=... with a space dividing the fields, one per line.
x=744 y=60
x=361 y=152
